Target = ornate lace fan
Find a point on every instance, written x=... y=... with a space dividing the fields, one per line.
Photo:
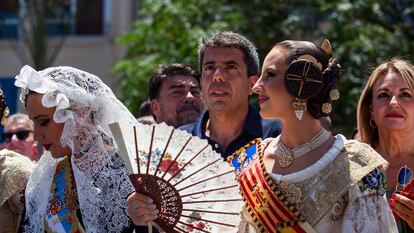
x=192 y=186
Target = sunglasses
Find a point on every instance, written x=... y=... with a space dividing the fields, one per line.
x=21 y=135
x=405 y=175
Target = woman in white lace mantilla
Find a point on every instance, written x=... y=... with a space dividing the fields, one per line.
x=80 y=184
x=306 y=179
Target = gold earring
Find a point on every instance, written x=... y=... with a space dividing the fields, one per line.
x=299 y=106
x=372 y=124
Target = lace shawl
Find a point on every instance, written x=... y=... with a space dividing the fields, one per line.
x=86 y=106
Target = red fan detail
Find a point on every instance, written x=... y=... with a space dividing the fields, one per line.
x=191 y=185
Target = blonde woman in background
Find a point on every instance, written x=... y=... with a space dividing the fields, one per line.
x=386 y=122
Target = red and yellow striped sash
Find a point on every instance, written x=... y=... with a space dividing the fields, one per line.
x=265 y=203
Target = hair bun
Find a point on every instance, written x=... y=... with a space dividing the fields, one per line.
x=303 y=78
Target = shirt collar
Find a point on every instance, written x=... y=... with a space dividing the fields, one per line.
x=252 y=125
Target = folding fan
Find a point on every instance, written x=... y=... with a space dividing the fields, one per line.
x=192 y=186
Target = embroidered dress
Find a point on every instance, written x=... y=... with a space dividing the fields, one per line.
x=342 y=192
x=15 y=169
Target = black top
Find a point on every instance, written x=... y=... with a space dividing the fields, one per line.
x=254 y=127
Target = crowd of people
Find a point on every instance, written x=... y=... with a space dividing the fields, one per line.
x=61 y=172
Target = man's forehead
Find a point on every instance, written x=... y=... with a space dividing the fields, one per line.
x=222 y=55
x=182 y=80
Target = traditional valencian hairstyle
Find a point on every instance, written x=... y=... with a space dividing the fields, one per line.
x=311 y=77
x=366 y=125
x=85 y=105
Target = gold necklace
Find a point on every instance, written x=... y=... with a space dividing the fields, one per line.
x=287 y=155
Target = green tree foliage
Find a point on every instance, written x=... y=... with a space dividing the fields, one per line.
x=167 y=32
x=363 y=34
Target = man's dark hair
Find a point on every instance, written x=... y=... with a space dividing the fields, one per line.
x=226 y=39
x=165 y=71
x=145 y=109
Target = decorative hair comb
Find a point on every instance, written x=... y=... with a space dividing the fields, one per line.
x=334 y=93
x=326 y=46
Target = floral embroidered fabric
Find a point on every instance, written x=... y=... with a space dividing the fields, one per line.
x=374 y=183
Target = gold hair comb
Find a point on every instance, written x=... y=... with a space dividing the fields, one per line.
x=326 y=46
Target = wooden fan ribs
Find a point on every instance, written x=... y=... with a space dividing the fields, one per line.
x=150 y=149
x=210 y=221
x=197 y=171
x=176 y=157
x=136 y=149
x=165 y=150
x=201 y=181
x=165 y=195
x=212 y=212
x=209 y=190
x=185 y=165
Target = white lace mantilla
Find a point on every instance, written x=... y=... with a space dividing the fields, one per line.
x=102 y=196
x=86 y=106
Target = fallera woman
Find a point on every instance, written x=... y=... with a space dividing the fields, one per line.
x=306 y=179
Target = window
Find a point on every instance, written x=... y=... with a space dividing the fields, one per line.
x=74 y=17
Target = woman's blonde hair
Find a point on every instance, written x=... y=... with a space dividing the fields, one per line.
x=367 y=129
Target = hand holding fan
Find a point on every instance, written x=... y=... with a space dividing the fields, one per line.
x=192 y=186
x=404 y=187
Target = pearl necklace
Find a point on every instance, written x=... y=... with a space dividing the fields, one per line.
x=287 y=155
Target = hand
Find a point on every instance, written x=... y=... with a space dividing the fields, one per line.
x=404 y=208
x=141 y=209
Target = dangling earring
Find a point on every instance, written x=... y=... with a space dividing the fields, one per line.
x=299 y=106
x=372 y=124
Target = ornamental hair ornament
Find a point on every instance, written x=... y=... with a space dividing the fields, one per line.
x=311 y=59
x=326 y=46
x=334 y=93
x=301 y=73
x=326 y=108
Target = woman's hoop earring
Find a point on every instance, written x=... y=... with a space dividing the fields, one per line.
x=372 y=124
